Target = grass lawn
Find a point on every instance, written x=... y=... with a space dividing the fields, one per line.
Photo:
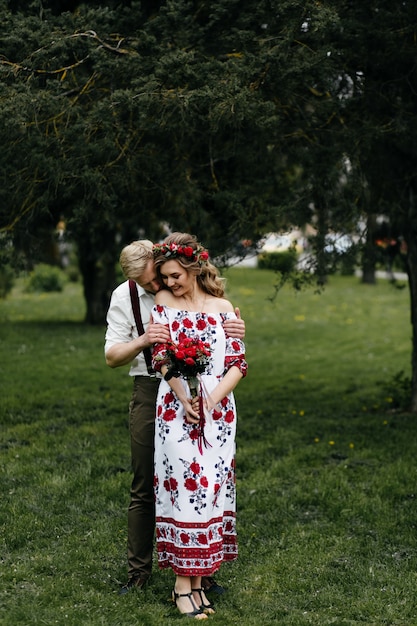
x=326 y=466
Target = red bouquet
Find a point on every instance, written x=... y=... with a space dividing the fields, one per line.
x=188 y=358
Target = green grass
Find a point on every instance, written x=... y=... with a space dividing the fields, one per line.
x=326 y=468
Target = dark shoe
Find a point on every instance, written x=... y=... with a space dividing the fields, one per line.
x=196 y=612
x=204 y=604
x=133 y=583
x=209 y=585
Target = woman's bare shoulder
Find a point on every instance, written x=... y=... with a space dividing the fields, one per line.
x=164 y=297
x=220 y=305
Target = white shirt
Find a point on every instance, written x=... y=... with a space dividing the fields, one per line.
x=121 y=325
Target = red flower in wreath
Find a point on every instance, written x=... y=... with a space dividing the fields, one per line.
x=188 y=251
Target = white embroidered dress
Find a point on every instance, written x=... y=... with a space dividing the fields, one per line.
x=195 y=491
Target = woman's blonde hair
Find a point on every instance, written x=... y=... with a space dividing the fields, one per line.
x=197 y=263
x=135 y=257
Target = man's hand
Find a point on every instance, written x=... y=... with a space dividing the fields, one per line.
x=156 y=333
x=235 y=328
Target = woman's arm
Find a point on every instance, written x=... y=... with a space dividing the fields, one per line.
x=225 y=386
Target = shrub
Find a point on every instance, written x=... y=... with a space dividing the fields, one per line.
x=283 y=262
x=398 y=389
x=46 y=278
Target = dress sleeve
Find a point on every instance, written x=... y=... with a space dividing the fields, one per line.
x=235 y=355
x=159 y=350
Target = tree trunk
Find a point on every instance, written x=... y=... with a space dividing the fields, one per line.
x=98 y=272
x=411 y=240
x=369 y=255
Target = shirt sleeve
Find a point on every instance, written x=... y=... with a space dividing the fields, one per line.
x=119 y=324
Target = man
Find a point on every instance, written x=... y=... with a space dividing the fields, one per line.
x=125 y=346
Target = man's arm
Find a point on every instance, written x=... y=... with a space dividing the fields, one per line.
x=123 y=353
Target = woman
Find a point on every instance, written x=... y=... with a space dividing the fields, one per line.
x=194 y=440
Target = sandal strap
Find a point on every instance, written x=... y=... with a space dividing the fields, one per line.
x=203 y=605
x=196 y=611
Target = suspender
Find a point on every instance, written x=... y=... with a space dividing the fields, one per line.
x=138 y=319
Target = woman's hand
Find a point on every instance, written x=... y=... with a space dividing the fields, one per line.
x=191 y=410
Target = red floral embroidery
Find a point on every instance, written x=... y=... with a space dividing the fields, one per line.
x=185 y=538
x=201 y=324
x=169 y=397
x=194 y=434
x=195 y=468
x=229 y=417
x=191 y=484
x=217 y=415
x=204 y=481
x=202 y=539
x=169 y=415
x=236 y=346
x=187 y=323
x=212 y=321
x=229 y=527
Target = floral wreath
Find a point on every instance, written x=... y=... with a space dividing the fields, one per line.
x=173 y=250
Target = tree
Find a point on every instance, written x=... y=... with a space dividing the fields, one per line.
x=114 y=149
x=221 y=119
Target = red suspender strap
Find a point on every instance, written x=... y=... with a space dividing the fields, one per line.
x=134 y=297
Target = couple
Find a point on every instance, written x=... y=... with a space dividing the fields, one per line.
x=194 y=490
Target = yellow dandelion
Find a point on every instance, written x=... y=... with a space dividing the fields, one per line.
x=389 y=400
x=301 y=412
x=351 y=445
x=385 y=422
x=299 y=318
x=316 y=440
x=331 y=443
x=302 y=376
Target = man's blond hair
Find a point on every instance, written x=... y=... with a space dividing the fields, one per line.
x=135 y=257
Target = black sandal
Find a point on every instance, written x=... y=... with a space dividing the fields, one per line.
x=206 y=608
x=196 y=612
